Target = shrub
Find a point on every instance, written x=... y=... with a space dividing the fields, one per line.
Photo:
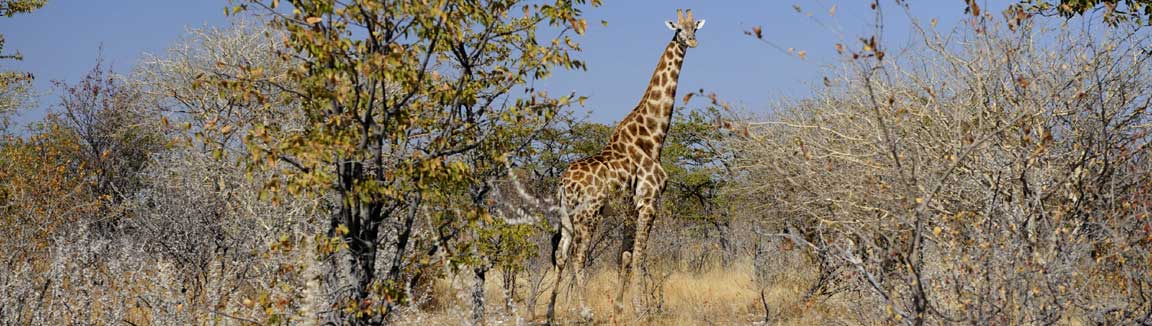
x=982 y=177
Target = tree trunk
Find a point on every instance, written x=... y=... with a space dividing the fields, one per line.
x=478 y=275
x=363 y=220
x=724 y=228
x=509 y=290
x=363 y=244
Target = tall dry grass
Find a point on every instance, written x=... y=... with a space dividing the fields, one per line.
x=718 y=296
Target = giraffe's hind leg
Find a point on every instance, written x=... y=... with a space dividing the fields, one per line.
x=561 y=252
x=576 y=237
x=624 y=270
x=561 y=261
x=584 y=231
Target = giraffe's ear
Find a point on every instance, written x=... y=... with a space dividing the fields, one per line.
x=700 y=24
x=671 y=25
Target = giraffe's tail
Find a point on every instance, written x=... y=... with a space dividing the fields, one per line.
x=557 y=237
x=562 y=237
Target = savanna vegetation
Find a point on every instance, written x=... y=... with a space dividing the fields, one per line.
x=364 y=162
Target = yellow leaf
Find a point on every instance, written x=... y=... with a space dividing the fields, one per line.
x=312 y=20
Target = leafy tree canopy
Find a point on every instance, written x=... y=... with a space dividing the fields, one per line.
x=12 y=7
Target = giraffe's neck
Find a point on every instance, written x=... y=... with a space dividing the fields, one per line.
x=654 y=112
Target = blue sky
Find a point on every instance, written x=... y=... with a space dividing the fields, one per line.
x=61 y=42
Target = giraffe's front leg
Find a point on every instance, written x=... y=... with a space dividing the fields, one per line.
x=639 y=254
x=646 y=198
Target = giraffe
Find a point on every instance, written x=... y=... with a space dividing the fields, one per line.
x=629 y=162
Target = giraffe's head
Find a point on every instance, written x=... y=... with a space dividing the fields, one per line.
x=685 y=27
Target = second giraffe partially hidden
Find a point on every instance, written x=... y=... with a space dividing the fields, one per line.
x=630 y=163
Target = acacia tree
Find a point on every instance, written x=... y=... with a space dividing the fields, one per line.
x=406 y=105
x=115 y=130
x=697 y=163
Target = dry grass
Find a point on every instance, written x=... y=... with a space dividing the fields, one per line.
x=718 y=296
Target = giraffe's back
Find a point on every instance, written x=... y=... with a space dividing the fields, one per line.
x=591 y=180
